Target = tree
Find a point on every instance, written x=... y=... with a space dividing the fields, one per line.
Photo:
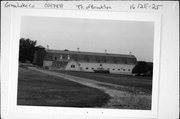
x=26 y=50
x=143 y=68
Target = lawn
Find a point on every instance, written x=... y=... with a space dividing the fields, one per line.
x=142 y=82
x=38 y=89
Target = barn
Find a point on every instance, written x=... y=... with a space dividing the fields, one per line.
x=85 y=61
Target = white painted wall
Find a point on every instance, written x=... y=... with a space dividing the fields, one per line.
x=113 y=68
x=76 y=64
x=90 y=67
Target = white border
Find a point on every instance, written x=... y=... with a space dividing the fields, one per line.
x=57 y=112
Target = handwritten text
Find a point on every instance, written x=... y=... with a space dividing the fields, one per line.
x=53 y=6
x=19 y=5
x=145 y=6
x=93 y=7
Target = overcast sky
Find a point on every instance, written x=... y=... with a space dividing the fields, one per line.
x=91 y=35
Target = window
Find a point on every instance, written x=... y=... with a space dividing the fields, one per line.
x=68 y=57
x=92 y=68
x=118 y=69
x=123 y=69
x=129 y=69
x=55 y=58
x=73 y=66
x=113 y=69
x=86 y=68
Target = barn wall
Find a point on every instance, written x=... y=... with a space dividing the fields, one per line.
x=73 y=65
x=65 y=61
x=113 y=68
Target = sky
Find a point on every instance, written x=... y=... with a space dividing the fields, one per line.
x=91 y=35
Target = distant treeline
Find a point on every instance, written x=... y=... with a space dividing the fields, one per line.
x=27 y=48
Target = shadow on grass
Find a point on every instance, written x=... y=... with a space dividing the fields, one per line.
x=37 y=89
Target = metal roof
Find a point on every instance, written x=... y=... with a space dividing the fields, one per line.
x=89 y=53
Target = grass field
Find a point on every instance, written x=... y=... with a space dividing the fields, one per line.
x=38 y=89
x=142 y=82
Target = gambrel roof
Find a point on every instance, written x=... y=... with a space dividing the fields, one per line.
x=90 y=53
